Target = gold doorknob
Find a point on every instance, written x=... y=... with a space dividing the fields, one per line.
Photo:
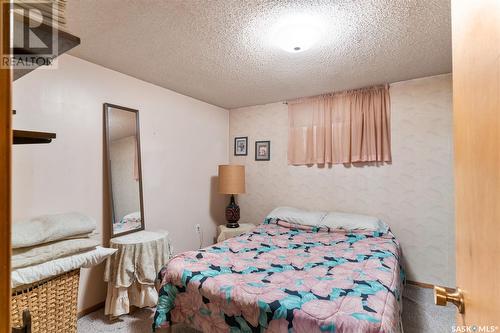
x=442 y=297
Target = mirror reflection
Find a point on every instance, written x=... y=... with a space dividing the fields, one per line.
x=124 y=168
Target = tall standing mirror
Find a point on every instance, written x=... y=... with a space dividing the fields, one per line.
x=124 y=168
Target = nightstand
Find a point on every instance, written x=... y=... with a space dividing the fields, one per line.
x=225 y=232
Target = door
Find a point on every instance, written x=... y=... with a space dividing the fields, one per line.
x=476 y=108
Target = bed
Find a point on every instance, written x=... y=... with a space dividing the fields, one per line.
x=283 y=277
x=129 y=222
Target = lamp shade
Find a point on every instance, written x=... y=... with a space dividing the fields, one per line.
x=231 y=179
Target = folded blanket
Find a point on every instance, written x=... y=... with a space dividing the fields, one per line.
x=92 y=234
x=28 y=256
x=49 y=228
x=32 y=274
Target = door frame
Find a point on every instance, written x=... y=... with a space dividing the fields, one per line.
x=5 y=174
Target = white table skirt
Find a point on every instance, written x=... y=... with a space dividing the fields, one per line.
x=119 y=300
x=132 y=271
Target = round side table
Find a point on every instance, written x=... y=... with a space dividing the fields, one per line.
x=131 y=272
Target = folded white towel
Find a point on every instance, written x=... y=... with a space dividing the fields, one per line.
x=49 y=228
x=31 y=274
x=28 y=256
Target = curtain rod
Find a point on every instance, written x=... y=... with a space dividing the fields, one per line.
x=386 y=85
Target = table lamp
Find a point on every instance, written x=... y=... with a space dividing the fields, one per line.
x=232 y=181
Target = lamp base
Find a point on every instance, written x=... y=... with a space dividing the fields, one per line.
x=232 y=225
x=232 y=214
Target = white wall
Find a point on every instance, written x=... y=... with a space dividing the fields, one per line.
x=414 y=194
x=182 y=142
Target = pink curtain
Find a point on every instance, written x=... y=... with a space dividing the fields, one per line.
x=346 y=127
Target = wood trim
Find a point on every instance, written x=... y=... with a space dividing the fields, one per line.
x=91 y=309
x=5 y=173
x=32 y=137
x=106 y=109
x=426 y=285
x=420 y=284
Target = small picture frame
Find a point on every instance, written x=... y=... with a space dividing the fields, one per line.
x=241 y=146
x=262 y=150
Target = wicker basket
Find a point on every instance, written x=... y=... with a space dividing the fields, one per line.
x=52 y=304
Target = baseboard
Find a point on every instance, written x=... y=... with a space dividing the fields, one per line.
x=420 y=284
x=426 y=285
x=85 y=312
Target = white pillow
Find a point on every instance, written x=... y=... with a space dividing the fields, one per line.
x=337 y=220
x=300 y=216
x=31 y=274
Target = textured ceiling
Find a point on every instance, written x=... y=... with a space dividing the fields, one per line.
x=219 y=51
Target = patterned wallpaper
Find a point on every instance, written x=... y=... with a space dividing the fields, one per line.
x=414 y=194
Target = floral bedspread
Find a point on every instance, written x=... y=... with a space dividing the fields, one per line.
x=284 y=278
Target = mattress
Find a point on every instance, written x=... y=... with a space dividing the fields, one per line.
x=286 y=278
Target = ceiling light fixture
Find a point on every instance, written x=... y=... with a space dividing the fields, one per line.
x=296 y=33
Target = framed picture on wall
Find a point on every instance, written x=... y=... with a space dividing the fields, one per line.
x=241 y=146
x=262 y=150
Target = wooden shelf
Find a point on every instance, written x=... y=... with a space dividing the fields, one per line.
x=66 y=42
x=32 y=137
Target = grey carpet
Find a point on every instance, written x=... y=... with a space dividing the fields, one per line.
x=419 y=315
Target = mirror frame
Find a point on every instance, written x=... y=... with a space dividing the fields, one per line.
x=106 y=109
